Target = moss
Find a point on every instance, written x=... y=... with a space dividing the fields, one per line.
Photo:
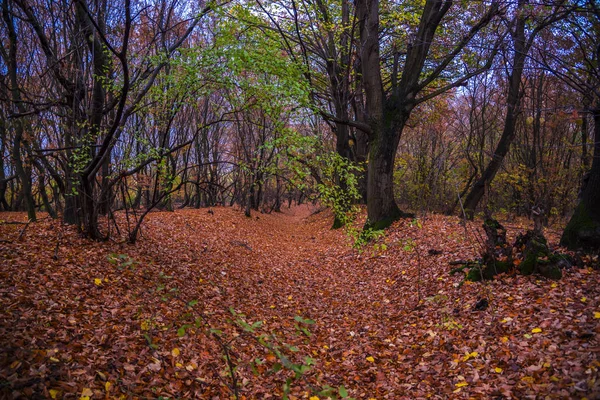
x=528 y=265
x=550 y=271
x=337 y=223
x=492 y=223
x=488 y=271
x=536 y=249
x=386 y=222
x=474 y=275
x=581 y=231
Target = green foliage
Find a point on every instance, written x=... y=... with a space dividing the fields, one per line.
x=362 y=237
x=287 y=355
x=122 y=261
x=339 y=187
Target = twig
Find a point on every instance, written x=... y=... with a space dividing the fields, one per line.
x=23 y=230
x=234 y=380
x=59 y=236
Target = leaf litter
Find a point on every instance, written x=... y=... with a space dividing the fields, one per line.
x=174 y=315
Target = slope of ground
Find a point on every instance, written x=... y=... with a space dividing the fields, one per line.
x=174 y=315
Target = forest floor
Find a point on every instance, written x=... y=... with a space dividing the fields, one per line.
x=173 y=315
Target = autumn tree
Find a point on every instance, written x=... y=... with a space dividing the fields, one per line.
x=523 y=39
x=100 y=85
x=580 y=70
x=418 y=71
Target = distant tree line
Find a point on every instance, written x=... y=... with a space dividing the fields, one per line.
x=110 y=109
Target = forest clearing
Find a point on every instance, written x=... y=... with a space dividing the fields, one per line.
x=87 y=319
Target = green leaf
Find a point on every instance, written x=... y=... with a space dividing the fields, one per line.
x=343 y=392
x=217 y=332
x=257 y=324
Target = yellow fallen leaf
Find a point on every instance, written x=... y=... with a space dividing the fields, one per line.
x=498 y=370
x=470 y=355
x=98 y=281
x=583 y=299
x=107 y=386
x=145 y=325
x=553 y=285
x=272 y=306
x=461 y=384
x=87 y=392
x=370 y=359
x=175 y=352
x=178 y=365
x=84 y=398
x=53 y=393
x=313 y=398
x=528 y=379
x=504 y=339
x=536 y=330
x=596 y=315
x=190 y=367
x=54 y=359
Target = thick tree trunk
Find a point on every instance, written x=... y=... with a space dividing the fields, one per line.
x=583 y=230
x=382 y=209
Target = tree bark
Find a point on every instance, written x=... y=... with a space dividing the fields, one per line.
x=583 y=230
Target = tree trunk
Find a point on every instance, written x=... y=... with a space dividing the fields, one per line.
x=382 y=209
x=23 y=171
x=583 y=230
x=513 y=103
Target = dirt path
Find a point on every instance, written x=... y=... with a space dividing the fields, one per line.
x=111 y=320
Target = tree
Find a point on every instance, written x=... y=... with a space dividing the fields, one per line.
x=582 y=72
x=390 y=101
x=521 y=46
x=105 y=73
x=23 y=168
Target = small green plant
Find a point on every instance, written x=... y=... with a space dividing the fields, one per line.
x=286 y=355
x=122 y=261
x=365 y=236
